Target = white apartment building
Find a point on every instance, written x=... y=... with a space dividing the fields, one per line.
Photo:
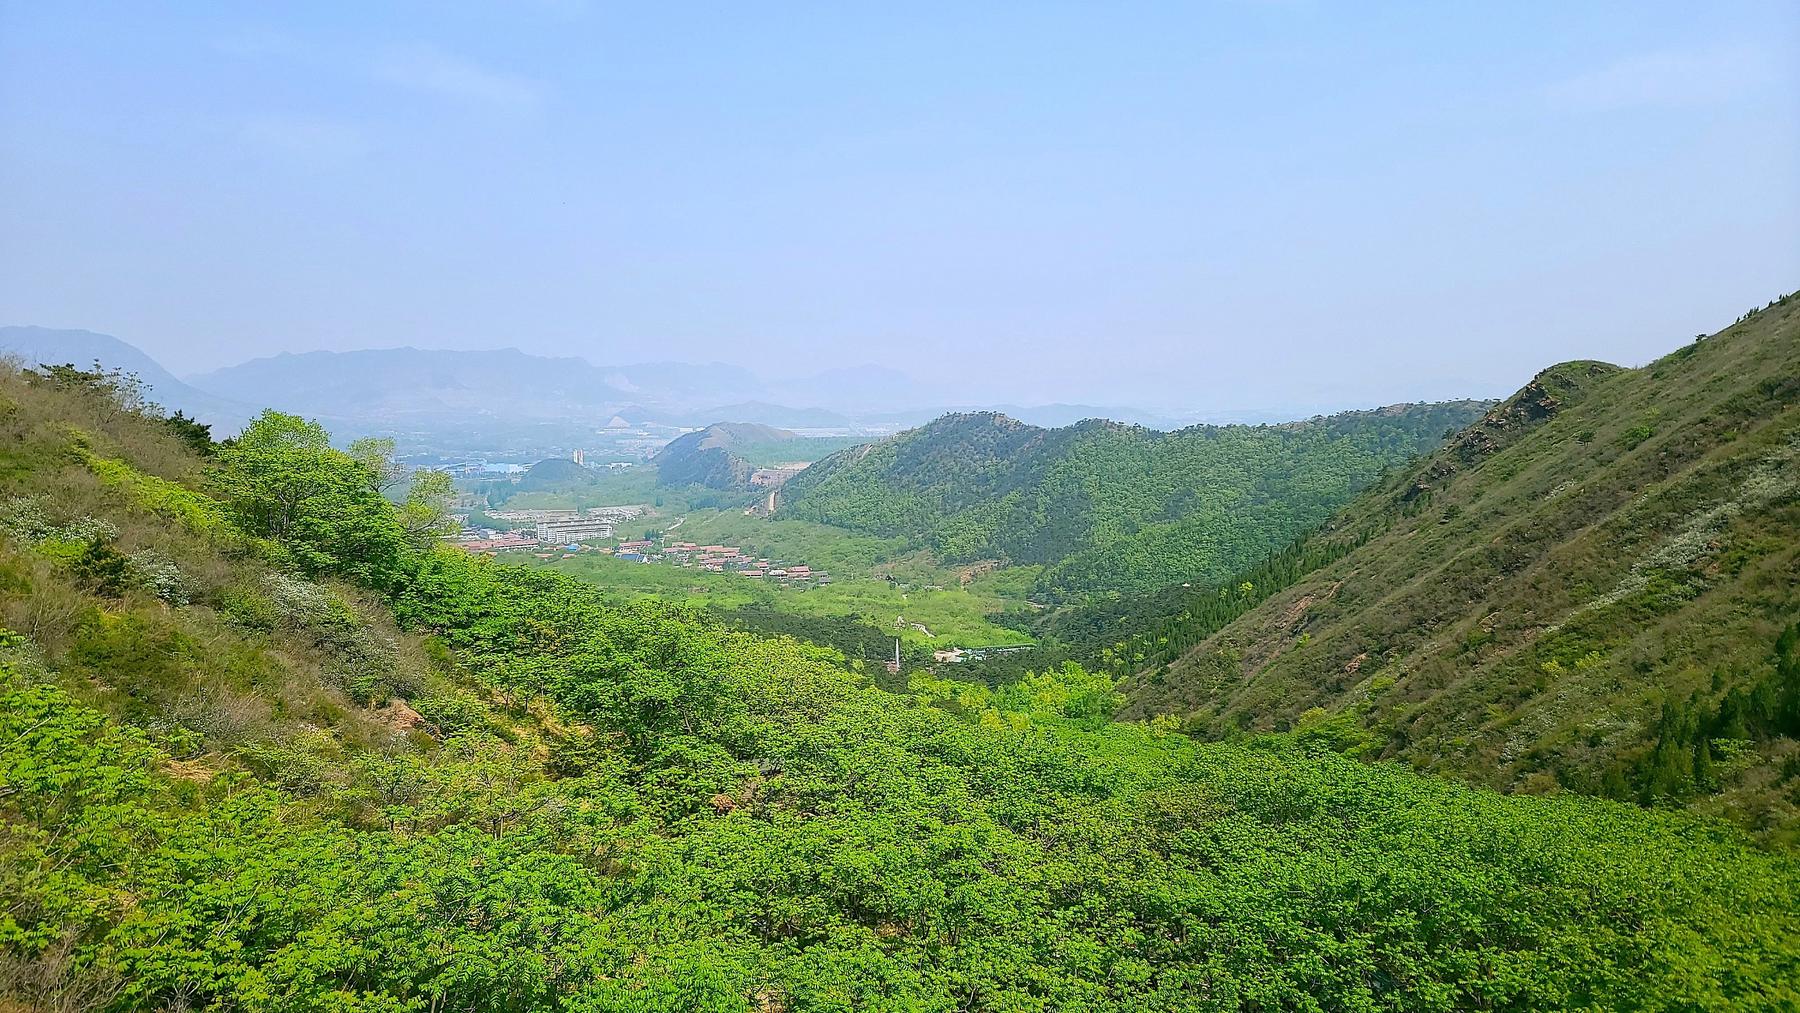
x=565 y=532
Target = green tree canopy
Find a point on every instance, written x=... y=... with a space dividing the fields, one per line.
x=282 y=479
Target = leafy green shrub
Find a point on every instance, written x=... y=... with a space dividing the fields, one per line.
x=247 y=607
x=102 y=568
x=302 y=765
x=1337 y=732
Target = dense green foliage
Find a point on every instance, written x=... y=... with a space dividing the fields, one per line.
x=1109 y=507
x=745 y=827
x=1123 y=635
x=949 y=616
x=1581 y=592
x=230 y=780
x=1695 y=737
x=865 y=646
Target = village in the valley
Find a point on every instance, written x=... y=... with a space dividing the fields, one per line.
x=564 y=534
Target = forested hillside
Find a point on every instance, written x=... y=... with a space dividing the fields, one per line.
x=1110 y=507
x=1596 y=588
x=265 y=746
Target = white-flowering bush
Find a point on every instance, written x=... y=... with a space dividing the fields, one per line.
x=301 y=604
x=23 y=519
x=86 y=530
x=158 y=574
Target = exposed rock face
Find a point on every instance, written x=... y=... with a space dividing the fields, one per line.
x=400 y=716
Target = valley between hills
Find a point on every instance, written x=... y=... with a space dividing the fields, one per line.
x=1439 y=706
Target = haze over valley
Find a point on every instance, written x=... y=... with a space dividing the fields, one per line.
x=507 y=407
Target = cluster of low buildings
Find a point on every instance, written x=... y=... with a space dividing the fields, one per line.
x=720 y=559
x=636 y=550
x=564 y=533
x=480 y=469
x=488 y=540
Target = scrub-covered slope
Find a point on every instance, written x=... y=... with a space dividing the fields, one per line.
x=264 y=747
x=1593 y=588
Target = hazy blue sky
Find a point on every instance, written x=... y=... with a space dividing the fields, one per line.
x=1189 y=205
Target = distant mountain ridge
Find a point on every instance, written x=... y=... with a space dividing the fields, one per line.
x=396 y=382
x=856 y=390
x=757 y=412
x=409 y=381
x=54 y=346
x=381 y=390
x=1105 y=506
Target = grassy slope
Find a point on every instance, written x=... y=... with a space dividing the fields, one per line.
x=1529 y=602
x=1110 y=507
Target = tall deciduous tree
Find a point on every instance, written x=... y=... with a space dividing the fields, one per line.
x=282 y=479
